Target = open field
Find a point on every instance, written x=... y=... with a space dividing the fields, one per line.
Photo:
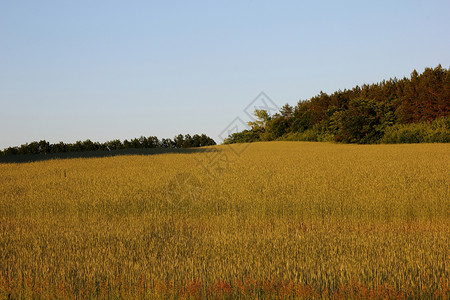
x=274 y=220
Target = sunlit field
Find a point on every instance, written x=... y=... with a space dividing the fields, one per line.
x=268 y=220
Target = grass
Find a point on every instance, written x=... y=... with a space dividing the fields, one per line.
x=279 y=220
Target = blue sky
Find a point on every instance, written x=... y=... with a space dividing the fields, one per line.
x=73 y=70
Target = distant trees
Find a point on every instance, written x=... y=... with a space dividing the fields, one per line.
x=44 y=147
x=262 y=117
x=359 y=123
x=363 y=114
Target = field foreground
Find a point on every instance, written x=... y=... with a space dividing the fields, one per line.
x=267 y=220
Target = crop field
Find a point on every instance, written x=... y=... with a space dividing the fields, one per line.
x=264 y=220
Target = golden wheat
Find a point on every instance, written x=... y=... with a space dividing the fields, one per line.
x=271 y=220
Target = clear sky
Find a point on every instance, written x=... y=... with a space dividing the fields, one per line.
x=73 y=70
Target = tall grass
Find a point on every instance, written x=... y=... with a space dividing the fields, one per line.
x=283 y=219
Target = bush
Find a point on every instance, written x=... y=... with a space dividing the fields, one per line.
x=309 y=135
x=437 y=131
x=245 y=136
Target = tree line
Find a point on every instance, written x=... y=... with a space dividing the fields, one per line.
x=44 y=147
x=408 y=110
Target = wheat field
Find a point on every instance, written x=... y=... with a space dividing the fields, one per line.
x=264 y=220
